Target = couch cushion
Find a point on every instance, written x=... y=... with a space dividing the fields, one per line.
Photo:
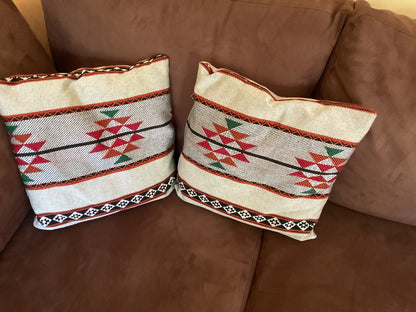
x=91 y=142
x=20 y=53
x=358 y=263
x=283 y=44
x=261 y=159
x=165 y=256
x=374 y=64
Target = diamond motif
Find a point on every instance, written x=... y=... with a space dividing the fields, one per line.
x=59 y=218
x=45 y=221
x=229 y=209
x=303 y=225
x=182 y=186
x=274 y=222
x=91 y=212
x=162 y=188
x=216 y=204
x=122 y=203
x=244 y=214
x=172 y=181
x=259 y=218
x=107 y=207
x=191 y=192
x=203 y=198
x=75 y=215
x=137 y=199
x=289 y=225
x=151 y=193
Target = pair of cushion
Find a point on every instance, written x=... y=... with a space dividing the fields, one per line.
x=99 y=140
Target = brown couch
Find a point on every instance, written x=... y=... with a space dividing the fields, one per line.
x=172 y=256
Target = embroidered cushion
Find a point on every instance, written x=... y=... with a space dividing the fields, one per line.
x=91 y=142
x=262 y=159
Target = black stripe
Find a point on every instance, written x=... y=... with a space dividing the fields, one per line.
x=51 y=150
x=259 y=156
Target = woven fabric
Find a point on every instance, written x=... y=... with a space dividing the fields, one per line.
x=91 y=142
x=262 y=159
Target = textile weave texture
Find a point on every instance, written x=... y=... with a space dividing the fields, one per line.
x=92 y=142
x=262 y=159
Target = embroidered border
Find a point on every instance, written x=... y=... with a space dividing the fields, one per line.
x=102 y=209
x=274 y=222
x=263 y=186
x=84 y=71
x=272 y=124
x=76 y=109
x=264 y=89
x=101 y=173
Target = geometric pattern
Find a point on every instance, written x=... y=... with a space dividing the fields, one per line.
x=20 y=144
x=285 y=224
x=261 y=185
x=272 y=124
x=228 y=136
x=116 y=147
x=322 y=163
x=127 y=202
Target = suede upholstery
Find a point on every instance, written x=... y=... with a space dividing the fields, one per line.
x=171 y=256
x=358 y=263
x=20 y=53
x=374 y=65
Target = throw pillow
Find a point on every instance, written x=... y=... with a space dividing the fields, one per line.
x=262 y=159
x=91 y=142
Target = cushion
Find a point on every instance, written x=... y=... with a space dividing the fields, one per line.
x=298 y=35
x=20 y=52
x=262 y=159
x=91 y=142
x=374 y=64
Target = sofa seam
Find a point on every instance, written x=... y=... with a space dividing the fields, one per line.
x=335 y=11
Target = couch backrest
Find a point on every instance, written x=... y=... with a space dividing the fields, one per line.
x=20 y=53
x=283 y=44
x=374 y=64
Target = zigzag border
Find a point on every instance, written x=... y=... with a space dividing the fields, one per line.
x=263 y=186
x=272 y=124
x=76 y=109
x=240 y=213
x=254 y=84
x=105 y=208
x=83 y=71
x=100 y=173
